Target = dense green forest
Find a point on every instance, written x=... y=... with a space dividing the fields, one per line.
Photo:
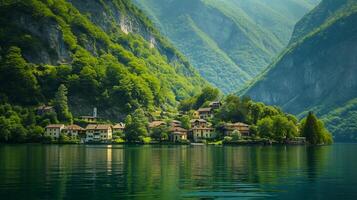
x=47 y=43
x=228 y=41
x=76 y=55
x=318 y=69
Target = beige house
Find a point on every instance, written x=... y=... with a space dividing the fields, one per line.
x=73 y=130
x=205 y=113
x=98 y=133
x=177 y=134
x=203 y=133
x=201 y=130
x=198 y=123
x=155 y=124
x=89 y=119
x=119 y=127
x=241 y=127
x=54 y=130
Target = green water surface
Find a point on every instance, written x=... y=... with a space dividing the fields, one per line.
x=177 y=172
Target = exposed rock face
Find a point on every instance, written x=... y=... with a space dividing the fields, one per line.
x=52 y=49
x=318 y=71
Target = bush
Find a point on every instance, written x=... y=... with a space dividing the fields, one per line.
x=145 y=140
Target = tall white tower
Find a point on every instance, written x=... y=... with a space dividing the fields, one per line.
x=95 y=112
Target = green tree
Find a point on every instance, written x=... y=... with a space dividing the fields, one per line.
x=185 y=121
x=283 y=128
x=160 y=133
x=234 y=109
x=265 y=127
x=61 y=105
x=207 y=94
x=236 y=135
x=136 y=125
x=17 y=79
x=314 y=130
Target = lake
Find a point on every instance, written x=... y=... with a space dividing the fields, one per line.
x=177 y=172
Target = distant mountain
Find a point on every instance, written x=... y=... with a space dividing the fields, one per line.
x=318 y=70
x=228 y=41
x=107 y=53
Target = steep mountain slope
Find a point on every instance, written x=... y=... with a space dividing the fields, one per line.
x=105 y=51
x=228 y=41
x=318 y=70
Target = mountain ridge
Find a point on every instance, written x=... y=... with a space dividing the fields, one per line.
x=316 y=72
x=248 y=46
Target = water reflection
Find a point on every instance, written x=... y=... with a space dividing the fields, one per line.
x=167 y=172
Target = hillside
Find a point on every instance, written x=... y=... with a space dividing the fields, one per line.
x=318 y=69
x=229 y=42
x=106 y=52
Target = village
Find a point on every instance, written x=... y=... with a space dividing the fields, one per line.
x=201 y=130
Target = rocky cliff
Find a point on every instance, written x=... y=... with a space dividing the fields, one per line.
x=318 y=69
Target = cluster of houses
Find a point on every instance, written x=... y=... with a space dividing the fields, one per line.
x=201 y=129
x=92 y=133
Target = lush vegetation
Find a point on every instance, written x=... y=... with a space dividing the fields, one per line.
x=342 y=122
x=114 y=71
x=136 y=126
x=315 y=131
x=207 y=95
x=265 y=121
x=241 y=39
x=19 y=124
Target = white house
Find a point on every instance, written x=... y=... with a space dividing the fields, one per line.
x=54 y=130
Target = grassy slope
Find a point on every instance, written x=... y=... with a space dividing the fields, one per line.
x=249 y=33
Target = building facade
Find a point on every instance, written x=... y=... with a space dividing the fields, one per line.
x=119 y=127
x=241 y=127
x=74 y=131
x=205 y=113
x=99 y=133
x=54 y=130
x=177 y=134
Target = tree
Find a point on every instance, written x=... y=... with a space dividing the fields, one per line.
x=234 y=109
x=17 y=79
x=236 y=135
x=160 y=133
x=314 y=130
x=265 y=127
x=61 y=105
x=207 y=94
x=136 y=125
x=185 y=120
x=283 y=128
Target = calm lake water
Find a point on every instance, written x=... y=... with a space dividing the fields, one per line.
x=177 y=172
